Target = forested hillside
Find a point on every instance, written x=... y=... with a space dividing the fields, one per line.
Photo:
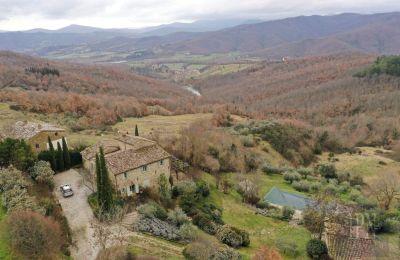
x=320 y=91
x=96 y=95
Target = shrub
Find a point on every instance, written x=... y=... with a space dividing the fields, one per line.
x=304 y=172
x=327 y=171
x=42 y=173
x=265 y=253
x=269 y=169
x=302 y=185
x=188 y=231
x=344 y=187
x=203 y=188
x=16 y=153
x=288 y=247
x=34 y=236
x=262 y=204
x=249 y=191
x=316 y=249
x=205 y=223
x=356 y=180
x=391 y=225
x=247 y=141
x=232 y=236
x=330 y=189
x=206 y=249
x=291 y=176
x=315 y=186
x=153 y=210
x=287 y=213
x=177 y=217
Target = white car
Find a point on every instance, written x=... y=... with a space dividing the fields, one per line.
x=66 y=190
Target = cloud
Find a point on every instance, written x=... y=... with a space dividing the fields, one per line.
x=23 y=14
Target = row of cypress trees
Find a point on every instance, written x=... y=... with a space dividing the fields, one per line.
x=60 y=159
x=104 y=188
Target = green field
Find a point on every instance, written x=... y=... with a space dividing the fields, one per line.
x=5 y=250
x=262 y=230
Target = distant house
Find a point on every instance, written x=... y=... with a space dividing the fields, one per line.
x=133 y=162
x=37 y=134
x=281 y=198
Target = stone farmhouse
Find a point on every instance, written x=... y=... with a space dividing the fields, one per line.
x=37 y=134
x=133 y=162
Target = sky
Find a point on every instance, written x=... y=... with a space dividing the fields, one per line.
x=54 y=14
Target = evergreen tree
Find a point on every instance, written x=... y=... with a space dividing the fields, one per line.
x=136 y=131
x=53 y=161
x=107 y=192
x=98 y=180
x=60 y=158
x=66 y=155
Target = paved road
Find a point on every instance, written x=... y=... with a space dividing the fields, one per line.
x=78 y=213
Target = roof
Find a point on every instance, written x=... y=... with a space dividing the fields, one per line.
x=284 y=198
x=26 y=130
x=109 y=146
x=136 y=142
x=131 y=159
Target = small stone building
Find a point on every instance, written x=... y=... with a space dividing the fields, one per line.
x=133 y=162
x=37 y=134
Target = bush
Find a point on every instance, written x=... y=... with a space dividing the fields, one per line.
x=330 y=189
x=205 y=223
x=344 y=187
x=356 y=180
x=287 y=213
x=291 y=176
x=34 y=236
x=203 y=188
x=391 y=225
x=188 y=231
x=177 y=217
x=302 y=185
x=269 y=169
x=232 y=236
x=17 y=153
x=288 y=247
x=316 y=249
x=42 y=173
x=206 y=249
x=152 y=210
x=262 y=204
x=328 y=171
x=249 y=191
x=315 y=186
x=247 y=141
x=304 y=172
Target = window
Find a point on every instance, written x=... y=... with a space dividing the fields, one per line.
x=161 y=162
x=144 y=168
x=37 y=145
x=125 y=175
x=123 y=190
x=132 y=188
x=56 y=133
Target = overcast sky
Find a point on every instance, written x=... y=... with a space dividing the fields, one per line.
x=53 y=14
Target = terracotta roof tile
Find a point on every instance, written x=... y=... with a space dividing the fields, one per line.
x=131 y=159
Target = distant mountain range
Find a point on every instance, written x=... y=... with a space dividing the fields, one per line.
x=296 y=37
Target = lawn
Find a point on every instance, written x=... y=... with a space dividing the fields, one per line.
x=5 y=250
x=262 y=230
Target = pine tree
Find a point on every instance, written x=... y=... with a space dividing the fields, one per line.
x=66 y=155
x=60 y=158
x=53 y=162
x=136 y=131
x=99 y=180
x=107 y=192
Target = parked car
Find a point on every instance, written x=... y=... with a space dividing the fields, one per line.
x=66 y=190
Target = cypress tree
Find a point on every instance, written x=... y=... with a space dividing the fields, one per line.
x=60 y=158
x=136 y=131
x=66 y=155
x=99 y=181
x=53 y=162
x=107 y=193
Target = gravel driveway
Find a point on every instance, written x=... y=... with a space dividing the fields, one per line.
x=78 y=213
